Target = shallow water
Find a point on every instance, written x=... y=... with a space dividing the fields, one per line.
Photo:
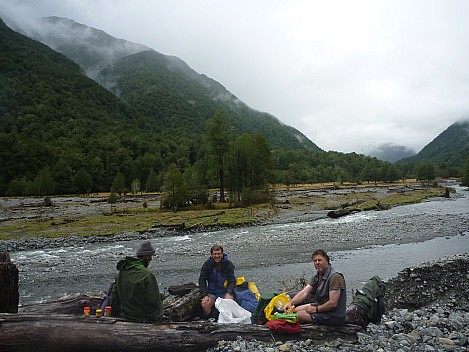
x=361 y=246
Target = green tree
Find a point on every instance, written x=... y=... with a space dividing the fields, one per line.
x=175 y=193
x=426 y=172
x=249 y=165
x=135 y=186
x=392 y=174
x=63 y=177
x=218 y=140
x=43 y=184
x=465 y=179
x=18 y=187
x=83 y=181
x=152 y=184
x=197 y=192
x=118 y=184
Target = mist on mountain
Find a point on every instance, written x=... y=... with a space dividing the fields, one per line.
x=91 y=48
x=390 y=152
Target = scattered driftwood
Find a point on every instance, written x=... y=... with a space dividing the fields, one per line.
x=63 y=222
x=210 y=215
x=341 y=212
x=46 y=202
x=20 y=218
x=40 y=332
x=180 y=226
x=98 y=200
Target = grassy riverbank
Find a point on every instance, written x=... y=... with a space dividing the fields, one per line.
x=139 y=214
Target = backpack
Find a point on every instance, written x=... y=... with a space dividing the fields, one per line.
x=377 y=309
x=371 y=298
x=107 y=301
x=276 y=305
x=258 y=316
x=245 y=297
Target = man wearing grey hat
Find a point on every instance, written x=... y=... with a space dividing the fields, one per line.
x=136 y=291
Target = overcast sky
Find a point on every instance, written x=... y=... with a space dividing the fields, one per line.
x=350 y=75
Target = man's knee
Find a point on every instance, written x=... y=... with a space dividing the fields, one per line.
x=304 y=316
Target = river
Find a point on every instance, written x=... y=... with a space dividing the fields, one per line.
x=361 y=245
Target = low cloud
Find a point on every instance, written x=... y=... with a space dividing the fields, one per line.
x=348 y=74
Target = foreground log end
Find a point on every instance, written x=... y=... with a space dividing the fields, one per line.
x=9 y=294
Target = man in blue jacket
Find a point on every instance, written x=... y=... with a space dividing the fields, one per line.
x=217 y=279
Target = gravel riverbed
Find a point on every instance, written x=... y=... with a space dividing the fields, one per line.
x=442 y=325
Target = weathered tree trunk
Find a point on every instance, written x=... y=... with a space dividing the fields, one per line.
x=67 y=305
x=38 y=332
x=186 y=307
x=9 y=294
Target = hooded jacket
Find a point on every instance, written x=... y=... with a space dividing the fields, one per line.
x=213 y=281
x=136 y=291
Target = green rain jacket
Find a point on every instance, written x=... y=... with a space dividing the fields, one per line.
x=136 y=291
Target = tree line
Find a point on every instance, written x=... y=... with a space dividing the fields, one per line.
x=240 y=166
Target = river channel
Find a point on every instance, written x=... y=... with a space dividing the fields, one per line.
x=361 y=245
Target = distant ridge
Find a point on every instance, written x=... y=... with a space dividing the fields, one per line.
x=450 y=147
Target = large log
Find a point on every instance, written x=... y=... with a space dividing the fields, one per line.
x=39 y=332
x=180 y=309
x=73 y=305
x=9 y=294
x=176 y=308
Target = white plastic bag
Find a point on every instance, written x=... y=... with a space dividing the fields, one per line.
x=231 y=312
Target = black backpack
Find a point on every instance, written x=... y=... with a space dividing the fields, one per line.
x=107 y=301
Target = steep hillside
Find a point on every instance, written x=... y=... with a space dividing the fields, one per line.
x=181 y=100
x=163 y=88
x=91 y=48
x=52 y=115
x=451 y=146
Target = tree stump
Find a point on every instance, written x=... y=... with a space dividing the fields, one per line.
x=9 y=294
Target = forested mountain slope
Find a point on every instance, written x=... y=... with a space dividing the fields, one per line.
x=450 y=147
x=53 y=116
x=163 y=88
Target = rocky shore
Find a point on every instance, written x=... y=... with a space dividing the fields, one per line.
x=427 y=310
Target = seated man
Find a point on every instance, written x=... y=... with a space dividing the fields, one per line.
x=215 y=271
x=136 y=291
x=328 y=286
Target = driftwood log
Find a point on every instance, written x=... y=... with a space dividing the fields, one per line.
x=335 y=214
x=60 y=326
x=58 y=332
x=176 y=309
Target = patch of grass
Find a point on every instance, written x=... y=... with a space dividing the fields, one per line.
x=140 y=219
x=123 y=220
